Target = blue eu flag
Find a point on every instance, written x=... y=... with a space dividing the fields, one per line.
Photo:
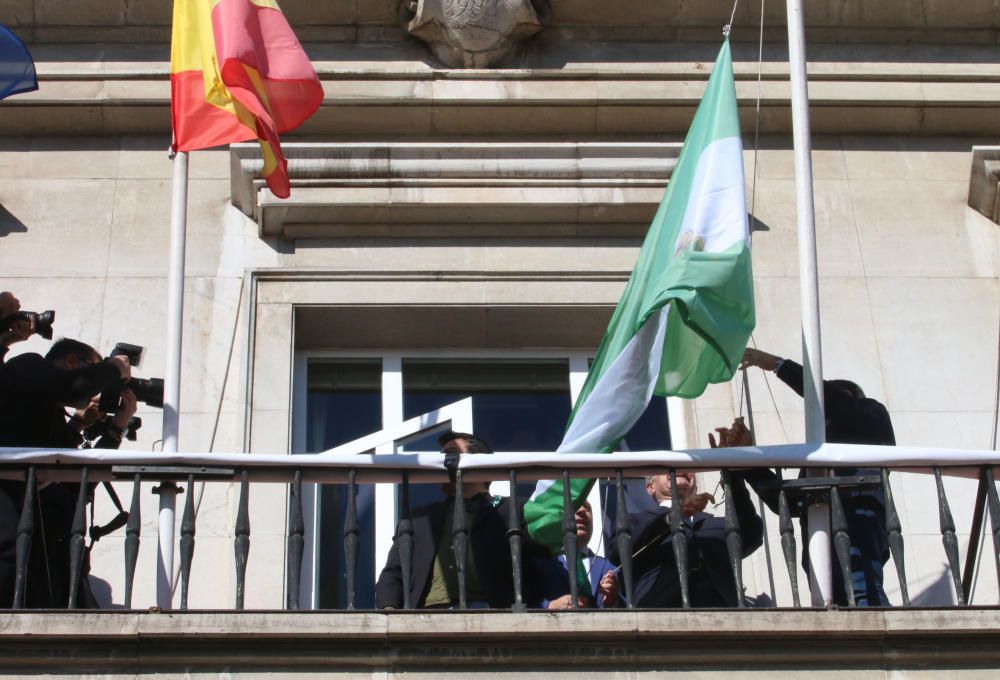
x=17 y=70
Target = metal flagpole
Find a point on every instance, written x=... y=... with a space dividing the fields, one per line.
x=820 y=563
x=167 y=490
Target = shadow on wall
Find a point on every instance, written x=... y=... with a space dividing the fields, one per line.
x=937 y=594
x=10 y=224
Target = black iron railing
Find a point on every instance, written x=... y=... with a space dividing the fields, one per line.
x=785 y=496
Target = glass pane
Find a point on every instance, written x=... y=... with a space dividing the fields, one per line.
x=517 y=405
x=344 y=403
x=652 y=431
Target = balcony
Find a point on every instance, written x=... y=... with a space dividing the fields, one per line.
x=783 y=639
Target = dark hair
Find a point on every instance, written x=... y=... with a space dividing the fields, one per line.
x=476 y=445
x=65 y=348
x=851 y=388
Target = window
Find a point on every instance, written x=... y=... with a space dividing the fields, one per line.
x=521 y=402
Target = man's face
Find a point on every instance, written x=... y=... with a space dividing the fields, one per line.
x=659 y=486
x=584 y=518
x=457 y=445
x=469 y=489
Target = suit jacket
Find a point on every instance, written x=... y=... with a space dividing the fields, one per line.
x=710 y=574
x=849 y=420
x=487 y=541
x=553 y=577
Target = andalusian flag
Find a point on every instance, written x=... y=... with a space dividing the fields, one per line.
x=237 y=72
x=687 y=311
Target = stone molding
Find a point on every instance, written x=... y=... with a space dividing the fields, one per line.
x=984 y=184
x=602 y=642
x=371 y=190
x=473 y=33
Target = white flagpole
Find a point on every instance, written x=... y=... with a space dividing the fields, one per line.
x=172 y=377
x=820 y=563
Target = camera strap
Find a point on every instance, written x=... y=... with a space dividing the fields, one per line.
x=98 y=532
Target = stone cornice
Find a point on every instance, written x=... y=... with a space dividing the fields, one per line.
x=454 y=642
x=552 y=190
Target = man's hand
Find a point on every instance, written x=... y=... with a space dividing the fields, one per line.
x=566 y=602
x=126 y=410
x=608 y=587
x=87 y=416
x=738 y=434
x=754 y=357
x=697 y=503
x=8 y=304
x=18 y=331
x=123 y=366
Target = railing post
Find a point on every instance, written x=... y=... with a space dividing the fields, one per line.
x=842 y=543
x=734 y=539
x=352 y=534
x=296 y=541
x=679 y=539
x=241 y=542
x=460 y=535
x=132 y=532
x=515 y=535
x=77 y=542
x=569 y=540
x=895 y=532
x=187 y=541
x=788 y=547
x=25 y=535
x=405 y=530
x=623 y=539
x=975 y=536
x=994 y=503
x=948 y=537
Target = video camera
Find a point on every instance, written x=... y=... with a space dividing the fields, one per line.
x=148 y=391
x=100 y=428
x=41 y=321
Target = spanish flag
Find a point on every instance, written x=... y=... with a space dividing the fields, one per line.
x=237 y=72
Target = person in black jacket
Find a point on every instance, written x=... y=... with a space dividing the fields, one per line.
x=434 y=582
x=851 y=418
x=710 y=577
x=19 y=330
x=34 y=394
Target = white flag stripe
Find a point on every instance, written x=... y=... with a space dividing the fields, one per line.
x=621 y=395
x=719 y=213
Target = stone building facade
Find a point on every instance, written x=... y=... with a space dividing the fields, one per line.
x=491 y=207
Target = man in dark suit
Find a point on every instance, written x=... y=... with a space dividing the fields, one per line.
x=710 y=577
x=851 y=418
x=597 y=578
x=434 y=582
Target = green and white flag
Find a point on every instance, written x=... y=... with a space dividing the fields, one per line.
x=687 y=311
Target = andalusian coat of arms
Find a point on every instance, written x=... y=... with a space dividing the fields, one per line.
x=473 y=33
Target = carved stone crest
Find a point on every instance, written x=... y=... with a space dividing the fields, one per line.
x=473 y=33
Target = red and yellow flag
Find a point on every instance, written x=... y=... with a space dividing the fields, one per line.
x=237 y=72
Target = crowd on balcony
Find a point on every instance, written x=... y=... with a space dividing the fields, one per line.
x=458 y=550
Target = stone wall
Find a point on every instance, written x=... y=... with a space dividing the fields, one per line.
x=909 y=273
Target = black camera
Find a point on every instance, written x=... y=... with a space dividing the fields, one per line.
x=100 y=428
x=148 y=391
x=41 y=321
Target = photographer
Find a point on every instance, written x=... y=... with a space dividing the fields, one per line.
x=91 y=423
x=20 y=329
x=34 y=394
